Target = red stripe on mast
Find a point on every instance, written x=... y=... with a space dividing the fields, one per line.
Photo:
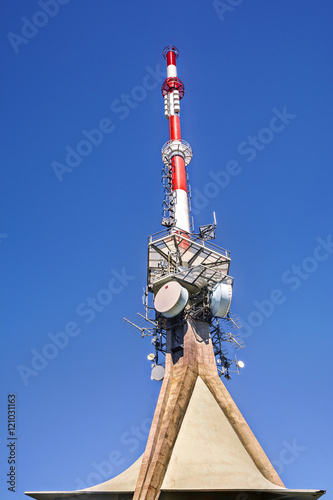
x=174 y=128
x=178 y=173
x=171 y=58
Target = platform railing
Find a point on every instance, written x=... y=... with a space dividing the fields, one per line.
x=192 y=238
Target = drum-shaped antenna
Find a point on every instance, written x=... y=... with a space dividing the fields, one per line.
x=220 y=299
x=171 y=299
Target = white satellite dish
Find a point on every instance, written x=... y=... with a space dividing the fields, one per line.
x=240 y=364
x=220 y=299
x=157 y=372
x=171 y=299
x=151 y=357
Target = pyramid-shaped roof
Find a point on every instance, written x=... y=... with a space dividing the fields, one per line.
x=208 y=458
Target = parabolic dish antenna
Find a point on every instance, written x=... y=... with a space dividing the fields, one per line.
x=157 y=372
x=151 y=357
x=220 y=299
x=171 y=299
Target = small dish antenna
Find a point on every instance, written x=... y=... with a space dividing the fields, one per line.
x=157 y=373
x=151 y=357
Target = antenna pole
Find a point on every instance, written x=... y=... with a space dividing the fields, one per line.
x=176 y=153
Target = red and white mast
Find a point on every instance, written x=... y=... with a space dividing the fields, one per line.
x=176 y=153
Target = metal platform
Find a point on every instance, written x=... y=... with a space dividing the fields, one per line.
x=186 y=257
x=176 y=147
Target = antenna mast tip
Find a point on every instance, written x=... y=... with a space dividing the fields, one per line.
x=170 y=48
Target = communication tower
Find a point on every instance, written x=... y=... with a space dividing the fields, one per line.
x=199 y=445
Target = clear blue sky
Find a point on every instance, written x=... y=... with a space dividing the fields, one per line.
x=258 y=82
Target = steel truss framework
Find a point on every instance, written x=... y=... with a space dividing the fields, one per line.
x=199 y=266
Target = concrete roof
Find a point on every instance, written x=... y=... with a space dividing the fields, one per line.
x=208 y=454
x=208 y=459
